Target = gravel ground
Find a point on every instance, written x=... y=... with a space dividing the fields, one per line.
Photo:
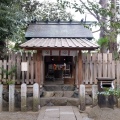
x=98 y=113
x=95 y=113
x=19 y=115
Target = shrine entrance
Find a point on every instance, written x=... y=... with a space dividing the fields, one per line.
x=59 y=69
x=57 y=43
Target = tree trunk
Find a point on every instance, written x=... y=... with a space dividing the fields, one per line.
x=113 y=32
x=112 y=46
x=103 y=49
x=2 y=49
x=103 y=4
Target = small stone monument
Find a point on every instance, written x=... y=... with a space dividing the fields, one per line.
x=1 y=98
x=23 y=97
x=82 y=97
x=35 y=97
x=11 y=98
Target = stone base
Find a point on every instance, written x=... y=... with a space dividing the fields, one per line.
x=59 y=87
x=59 y=101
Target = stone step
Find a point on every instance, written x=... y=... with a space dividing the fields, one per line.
x=69 y=94
x=59 y=101
x=59 y=87
x=53 y=98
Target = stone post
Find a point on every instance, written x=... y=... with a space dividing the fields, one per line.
x=23 y=97
x=94 y=95
x=11 y=98
x=36 y=97
x=82 y=97
x=118 y=102
x=118 y=99
x=118 y=86
x=1 y=98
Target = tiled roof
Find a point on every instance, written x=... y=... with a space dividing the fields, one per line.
x=58 y=30
x=56 y=43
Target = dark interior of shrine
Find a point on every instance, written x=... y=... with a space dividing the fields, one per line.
x=58 y=67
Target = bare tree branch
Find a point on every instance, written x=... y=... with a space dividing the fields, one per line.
x=96 y=31
x=94 y=14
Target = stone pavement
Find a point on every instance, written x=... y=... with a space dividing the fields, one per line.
x=61 y=113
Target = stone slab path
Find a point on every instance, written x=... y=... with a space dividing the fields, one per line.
x=61 y=113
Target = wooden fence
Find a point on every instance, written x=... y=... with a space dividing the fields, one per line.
x=15 y=60
x=100 y=65
x=94 y=65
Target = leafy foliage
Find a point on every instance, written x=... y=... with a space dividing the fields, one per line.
x=11 y=15
x=103 y=42
x=10 y=23
x=15 y=16
x=9 y=73
x=47 y=10
x=110 y=91
x=9 y=82
x=106 y=13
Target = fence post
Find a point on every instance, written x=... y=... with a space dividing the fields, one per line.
x=23 y=97
x=94 y=95
x=35 y=97
x=1 y=98
x=11 y=98
x=82 y=97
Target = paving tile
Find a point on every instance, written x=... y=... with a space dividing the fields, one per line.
x=77 y=113
x=51 y=119
x=61 y=113
x=41 y=113
x=86 y=118
x=67 y=112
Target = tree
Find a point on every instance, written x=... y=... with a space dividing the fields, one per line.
x=11 y=18
x=15 y=15
x=46 y=10
x=105 y=12
x=41 y=11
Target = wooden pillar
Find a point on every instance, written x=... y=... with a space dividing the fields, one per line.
x=38 y=66
x=42 y=70
x=76 y=72
x=79 y=67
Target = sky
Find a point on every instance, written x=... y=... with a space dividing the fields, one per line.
x=78 y=17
